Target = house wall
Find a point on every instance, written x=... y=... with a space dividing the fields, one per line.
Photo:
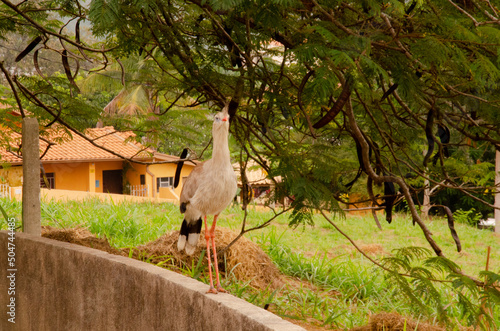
x=168 y=170
x=134 y=172
x=163 y=170
x=158 y=170
x=133 y=176
x=70 y=176
x=12 y=176
x=83 y=176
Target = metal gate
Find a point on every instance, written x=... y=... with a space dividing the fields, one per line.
x=4 y=191
x=139 y=190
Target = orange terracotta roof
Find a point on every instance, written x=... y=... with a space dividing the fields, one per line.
x=74 y=148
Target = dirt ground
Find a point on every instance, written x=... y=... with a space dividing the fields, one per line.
x=245 y=260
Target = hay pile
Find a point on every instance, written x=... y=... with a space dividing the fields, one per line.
x=244 y=260
x=79 y=236
x=395 y=322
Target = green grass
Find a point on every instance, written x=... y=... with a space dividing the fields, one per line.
x=336 y=286
x=323 y=239
x=124 y=224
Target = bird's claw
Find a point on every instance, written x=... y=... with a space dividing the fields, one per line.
x=212 y=290
x=215 y=291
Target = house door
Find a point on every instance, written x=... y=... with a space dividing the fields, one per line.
x=112 y=181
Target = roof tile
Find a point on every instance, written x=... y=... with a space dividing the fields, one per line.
x=80 y=149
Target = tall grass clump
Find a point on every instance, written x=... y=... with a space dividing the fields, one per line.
x=343 y=276
x=12 y=209
x=124 y=224
x=345 y=291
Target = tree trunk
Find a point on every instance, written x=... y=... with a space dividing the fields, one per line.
x=426 y=205
x=497 y=192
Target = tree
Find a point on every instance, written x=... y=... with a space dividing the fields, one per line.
x=323 y=93
x=371 y=60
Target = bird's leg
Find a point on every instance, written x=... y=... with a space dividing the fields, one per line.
x=212 y=236
x=207 y=238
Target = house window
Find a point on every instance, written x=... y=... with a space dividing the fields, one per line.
x=143 y=179
x=51 y=180
x=164 y=182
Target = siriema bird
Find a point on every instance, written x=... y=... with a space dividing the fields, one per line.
x=208 y=190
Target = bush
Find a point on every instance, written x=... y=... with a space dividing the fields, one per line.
x=470 y=217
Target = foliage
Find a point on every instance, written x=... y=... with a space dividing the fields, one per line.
x=404 y=91
x=470 y=217
x=417 y=277
x=287 y=66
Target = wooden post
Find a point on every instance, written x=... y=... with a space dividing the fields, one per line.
x=31 y=176
x=497 y=192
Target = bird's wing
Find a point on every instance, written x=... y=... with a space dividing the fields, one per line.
x=191 y=183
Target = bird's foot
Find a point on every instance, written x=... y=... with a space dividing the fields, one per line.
x=220 y=289
x=212 y=290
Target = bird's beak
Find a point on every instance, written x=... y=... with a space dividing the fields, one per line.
x=225 y=111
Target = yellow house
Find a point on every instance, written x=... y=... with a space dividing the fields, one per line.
x=74 y=163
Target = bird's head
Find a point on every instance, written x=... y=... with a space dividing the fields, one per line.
x=221 y=119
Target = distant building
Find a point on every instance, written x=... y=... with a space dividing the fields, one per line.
x=260 y=185
x=74 y=163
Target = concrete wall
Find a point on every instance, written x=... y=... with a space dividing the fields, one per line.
x=168 y=193
x=60 y=286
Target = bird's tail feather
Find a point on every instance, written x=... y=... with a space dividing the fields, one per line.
x=189 y=235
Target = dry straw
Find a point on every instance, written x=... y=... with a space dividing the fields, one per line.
x=244 y=260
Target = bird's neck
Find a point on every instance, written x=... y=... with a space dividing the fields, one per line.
x=220 y=153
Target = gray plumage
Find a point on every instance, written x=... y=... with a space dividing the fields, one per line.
x=210 y=187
